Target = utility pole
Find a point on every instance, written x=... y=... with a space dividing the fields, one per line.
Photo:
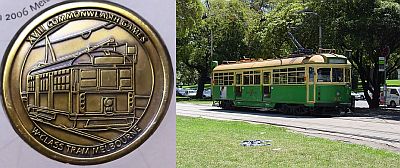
x=382 y=68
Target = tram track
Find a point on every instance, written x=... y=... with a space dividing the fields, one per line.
x=361 y=130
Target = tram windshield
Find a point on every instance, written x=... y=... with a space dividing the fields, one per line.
x=337 y=75
x=333 y=75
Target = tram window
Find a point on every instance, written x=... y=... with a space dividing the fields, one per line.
x=251 y=80
x=238 y=79
x=276 y=78
x=267 y=91
x=311 y=74
x=226 y=79
x=300 y=77
x=267 y=75
x=301 y=69
x=246 y=79
x=219 y=78
x=347 y=75
x=257 y=79
x=251 y=77
x=283 y=78
x=230 y=79
x=337 y=74
x=292 y=77
x=215 y=78
x=324 y=74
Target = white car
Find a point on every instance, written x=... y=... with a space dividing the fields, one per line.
x=392 y=96
x=358 y=96
x=207 y=93
x=180 y=92
x=191 y=92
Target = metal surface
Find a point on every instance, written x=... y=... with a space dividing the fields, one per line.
x=86 y=82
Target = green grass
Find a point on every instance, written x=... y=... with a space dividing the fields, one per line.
x=211 y=143
x=195 y=101
x=393 y=82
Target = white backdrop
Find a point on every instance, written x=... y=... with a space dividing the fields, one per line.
x=158 y=151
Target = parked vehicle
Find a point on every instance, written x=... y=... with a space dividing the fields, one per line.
x=180 y=92
x=358 y=95
x=392 y=96
x=207 y=93
x=191 y=92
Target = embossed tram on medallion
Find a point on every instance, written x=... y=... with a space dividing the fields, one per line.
x=86 y=93
x=94 y=81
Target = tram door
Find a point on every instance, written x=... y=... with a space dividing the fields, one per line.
x=311 y=85
x=266 y=85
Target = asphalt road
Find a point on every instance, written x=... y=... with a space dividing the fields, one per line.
x=378 y=131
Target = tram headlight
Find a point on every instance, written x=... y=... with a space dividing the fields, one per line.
x=338 y=94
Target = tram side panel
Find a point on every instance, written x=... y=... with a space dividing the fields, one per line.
x=289 y=94
x=61 y=97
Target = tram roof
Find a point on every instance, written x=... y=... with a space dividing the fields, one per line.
x=68 y=62
x=310 y=59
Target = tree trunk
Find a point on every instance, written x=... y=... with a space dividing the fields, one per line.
x=370 y=83
x=202 y=80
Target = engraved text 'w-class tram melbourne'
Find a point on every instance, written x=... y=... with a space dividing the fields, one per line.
x=92 y=82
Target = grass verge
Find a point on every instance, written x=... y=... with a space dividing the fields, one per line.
x=194 y=101
x=211 y=143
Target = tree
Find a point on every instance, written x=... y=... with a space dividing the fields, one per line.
x=188 y=12
x=365 y=27
x=224 y=24
x=269 y=38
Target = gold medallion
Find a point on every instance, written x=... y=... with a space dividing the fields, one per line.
x=86 y=82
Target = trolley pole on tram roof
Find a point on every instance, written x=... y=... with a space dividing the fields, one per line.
x=307 y=11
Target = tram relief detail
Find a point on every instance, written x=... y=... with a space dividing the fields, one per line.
x=89 y=92
x=85 y=93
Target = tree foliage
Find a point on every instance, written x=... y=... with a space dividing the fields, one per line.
x=224 y=24
x=365 y=27
x=258 y=29
x=188 y=12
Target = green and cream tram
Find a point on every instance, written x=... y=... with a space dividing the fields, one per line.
x=316 y=84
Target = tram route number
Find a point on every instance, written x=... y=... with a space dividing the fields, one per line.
x=24 y=11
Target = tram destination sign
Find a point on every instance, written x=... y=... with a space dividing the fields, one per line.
x=86 y=82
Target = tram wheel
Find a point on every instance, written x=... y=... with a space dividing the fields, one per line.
x=228 y=105
x=285 y=109
x=300 y=110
